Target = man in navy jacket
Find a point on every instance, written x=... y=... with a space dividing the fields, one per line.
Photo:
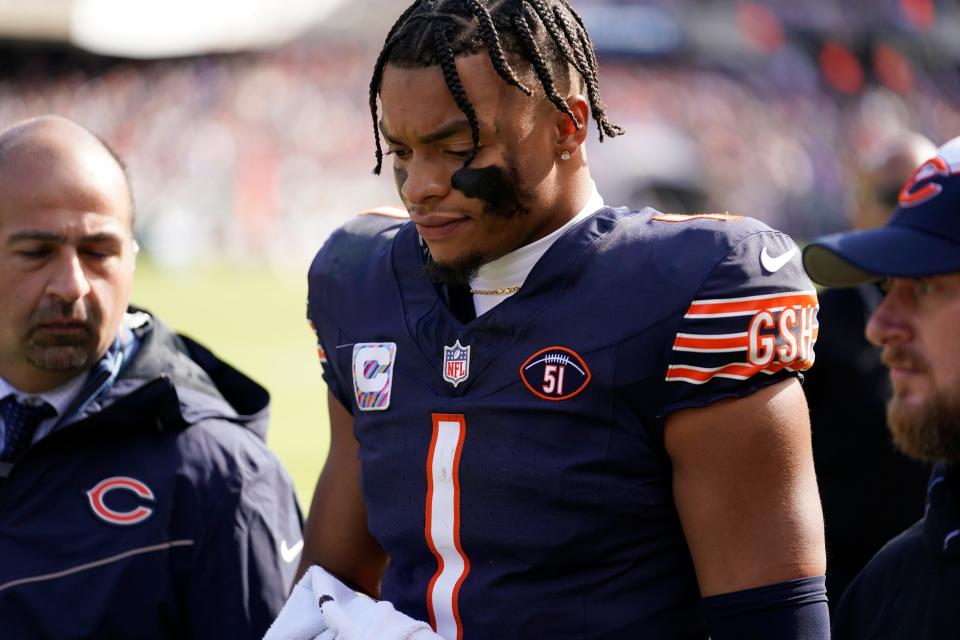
x=910 y=588
x=137 y=496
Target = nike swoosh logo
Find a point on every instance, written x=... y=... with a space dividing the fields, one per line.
x=289 y=554
x=771 y=264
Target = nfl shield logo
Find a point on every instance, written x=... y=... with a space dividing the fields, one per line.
x=456 y=363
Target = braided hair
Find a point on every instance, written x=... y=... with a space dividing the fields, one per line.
x=547 y=35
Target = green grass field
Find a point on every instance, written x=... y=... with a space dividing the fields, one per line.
x=255 y=320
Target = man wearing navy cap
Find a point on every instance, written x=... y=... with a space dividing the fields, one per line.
x=911 y=587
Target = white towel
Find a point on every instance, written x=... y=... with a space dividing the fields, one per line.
x=323 y=608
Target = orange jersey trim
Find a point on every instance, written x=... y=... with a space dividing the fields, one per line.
x=728 y=342
x=719 y=343
x=735 y=371
x=428 y=524
x=751 y=304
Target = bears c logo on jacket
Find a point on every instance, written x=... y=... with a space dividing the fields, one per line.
x=97 y=497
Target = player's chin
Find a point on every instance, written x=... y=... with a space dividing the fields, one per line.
x=447 y=254
x=454 y=268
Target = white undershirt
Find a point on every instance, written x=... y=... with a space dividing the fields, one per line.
x=512 y=269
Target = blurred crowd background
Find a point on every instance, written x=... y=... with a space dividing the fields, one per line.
x=760 y=108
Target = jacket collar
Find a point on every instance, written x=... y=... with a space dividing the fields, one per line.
x=941 y=522
x=179 y=382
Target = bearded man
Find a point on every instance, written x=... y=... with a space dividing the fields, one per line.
x=910 y=587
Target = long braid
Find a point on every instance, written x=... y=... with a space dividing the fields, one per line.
x=378 y=77
x=448 y=64
x=587 y=44
x=596 y=105
x=572 y=44
x=589 y=74
x=488 y=31
x=560 y=40
x=539 y=65
x=374 y=90
x=587 y=67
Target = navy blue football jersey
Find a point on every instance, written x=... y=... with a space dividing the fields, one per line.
x=514 y=467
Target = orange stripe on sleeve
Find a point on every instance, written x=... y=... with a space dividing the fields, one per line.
x=735 y=371
x=718 y=343
x=751 y=304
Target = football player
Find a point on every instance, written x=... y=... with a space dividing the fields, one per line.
x=550 y=417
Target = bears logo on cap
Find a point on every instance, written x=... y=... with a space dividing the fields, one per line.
x=911 y=195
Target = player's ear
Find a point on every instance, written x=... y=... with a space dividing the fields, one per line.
x=569 y=137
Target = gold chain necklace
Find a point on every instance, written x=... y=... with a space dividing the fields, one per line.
x=504 y=291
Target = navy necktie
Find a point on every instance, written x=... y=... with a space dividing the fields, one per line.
x=20 y=421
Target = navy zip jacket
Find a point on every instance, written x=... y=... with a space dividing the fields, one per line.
x=910 y=589
x=155 y=512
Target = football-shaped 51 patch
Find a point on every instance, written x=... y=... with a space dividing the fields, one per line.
x=555 y=373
